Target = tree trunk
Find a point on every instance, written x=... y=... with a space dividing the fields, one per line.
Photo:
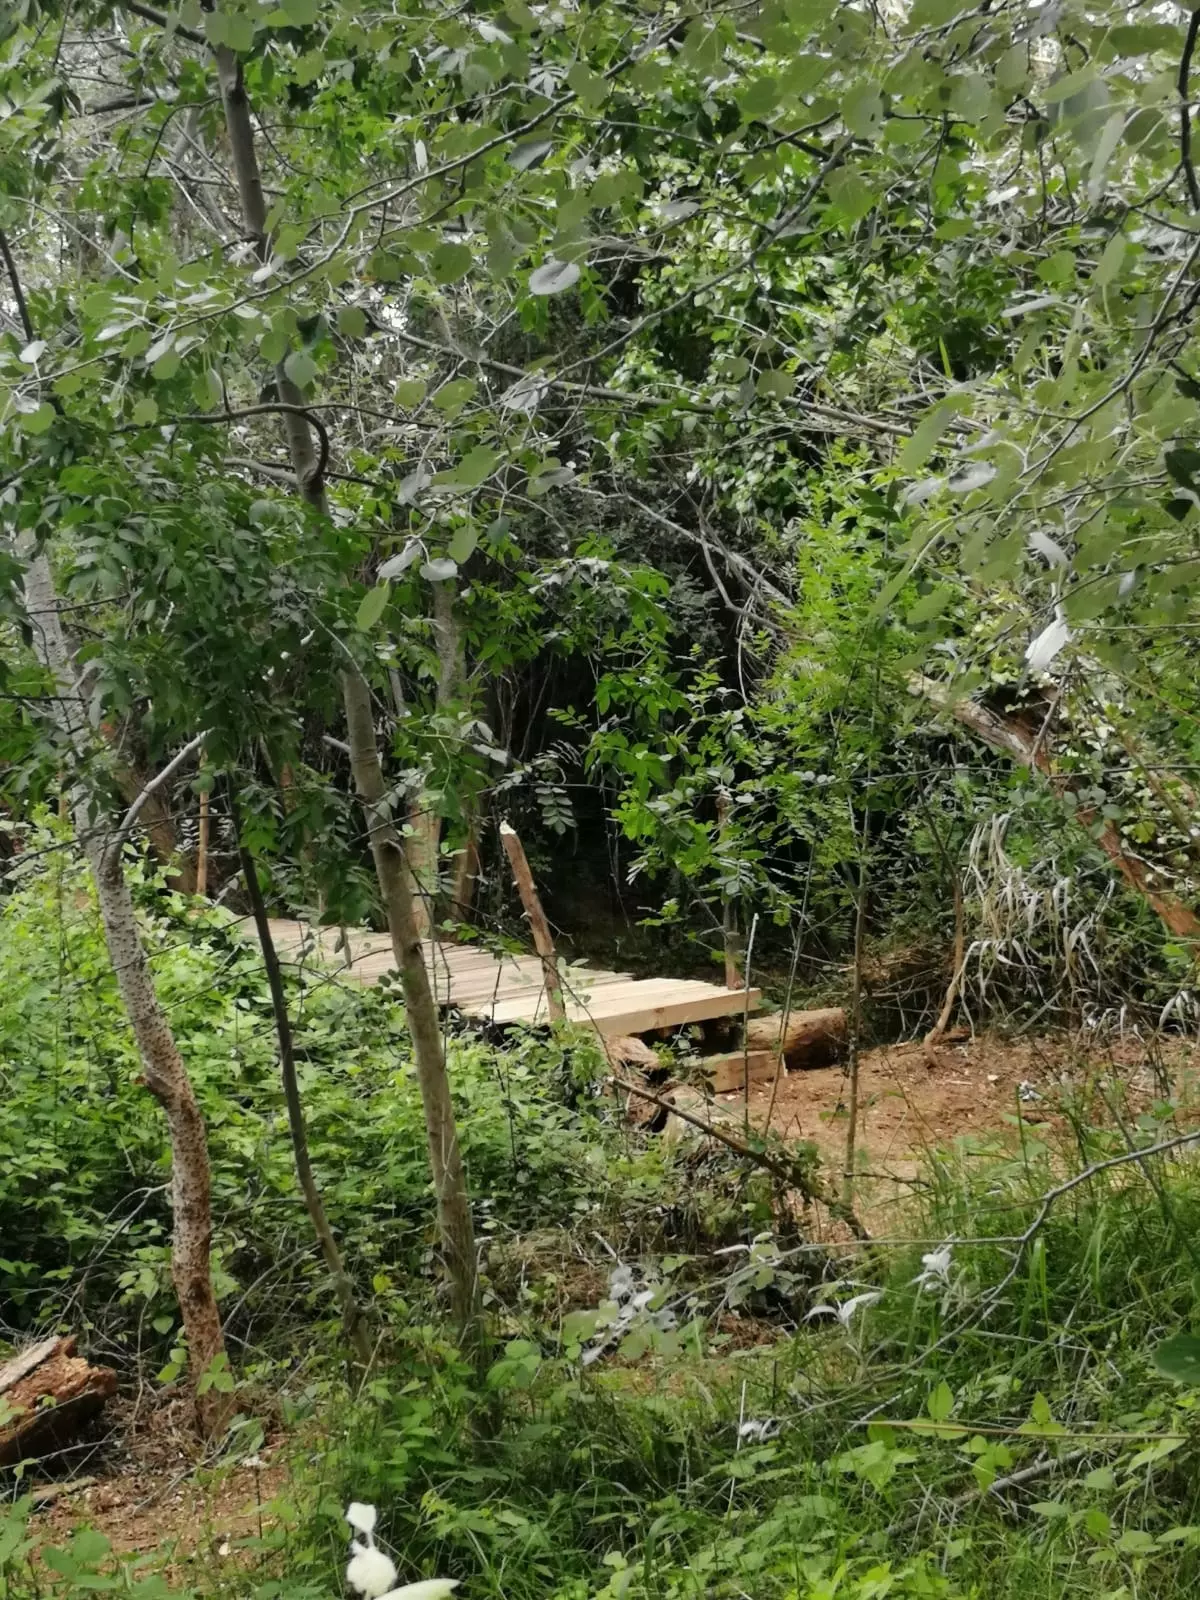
x=422 y=845
x=353 y=1320
x=445 y=1158
x=163 y=1069
x=1005 y=733
x=449 y=1178
x=47 y=1393
x=734 y=953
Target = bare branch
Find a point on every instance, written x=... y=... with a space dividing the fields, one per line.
x=113 y=849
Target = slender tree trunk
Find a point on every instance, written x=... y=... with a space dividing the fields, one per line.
x=445 y=1158
x=855 y=1032
x=734 y=977
x=422 y=843
x=202 y=847
x=466 y=865
x=449 y=1178
x=355 y=1323
x=163 y=1069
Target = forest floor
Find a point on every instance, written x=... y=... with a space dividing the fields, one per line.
x=142 y=1485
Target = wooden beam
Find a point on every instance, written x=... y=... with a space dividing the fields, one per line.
x=539 y=927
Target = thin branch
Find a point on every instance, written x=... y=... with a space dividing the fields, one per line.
x=18 y=292
x=788 y=1172
x=315 y=478
x=118 y=839
x=1185 y=120
x=168 y=24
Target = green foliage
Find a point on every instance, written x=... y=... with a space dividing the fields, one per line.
x=83 y=1198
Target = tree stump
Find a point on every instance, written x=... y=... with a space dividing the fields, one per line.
x=47 y=1393
x=810 y=1039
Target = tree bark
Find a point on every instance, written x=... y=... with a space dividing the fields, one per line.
x=163 y=1069
x=1007 y=735
x=455 y=1223
x=357 y=1331
x=47 y=1393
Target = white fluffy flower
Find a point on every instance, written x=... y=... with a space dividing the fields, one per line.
x=370 y=1571
x=361 y=1517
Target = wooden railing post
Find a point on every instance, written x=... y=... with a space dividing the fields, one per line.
x=543 y=943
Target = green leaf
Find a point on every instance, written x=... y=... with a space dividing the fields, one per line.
x=463 y=543
x=230 y=28
x=850 y=193
x=775 y=384
x=1039 y=1411
x=940 y=1403
x=165 y=367
x=145 y=411
x=38 y=421
x=453 y=396
x=759 y=97
x=591 y=88
x=89 y=1546
x=301 y=13
x=1110 y=138
x=862 y=111
x=451 y=262
x=1109 y=264
x=928 y=431
x=372 y=606
x=273 y=345
x=300 y=368
x=931 y=605
x=352 y=322
x=409 y=392
x=1179 y=1358
x=470 y=472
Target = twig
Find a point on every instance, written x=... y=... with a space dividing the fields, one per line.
x=787 y=1172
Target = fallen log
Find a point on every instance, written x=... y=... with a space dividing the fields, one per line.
x=805 y=1038
x=47 y=1393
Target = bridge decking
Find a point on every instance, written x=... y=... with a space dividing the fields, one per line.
x=506 y=988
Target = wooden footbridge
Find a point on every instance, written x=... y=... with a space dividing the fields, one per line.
x=502 y=988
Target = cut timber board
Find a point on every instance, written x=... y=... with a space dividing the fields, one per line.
x=509 y=989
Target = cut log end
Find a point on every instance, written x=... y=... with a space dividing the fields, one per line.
x=47 y=1394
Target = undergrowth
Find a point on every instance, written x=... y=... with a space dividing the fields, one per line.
x=974 y=1413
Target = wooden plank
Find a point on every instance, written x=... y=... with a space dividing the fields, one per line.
x=636 y=1013
x=727 y=1073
